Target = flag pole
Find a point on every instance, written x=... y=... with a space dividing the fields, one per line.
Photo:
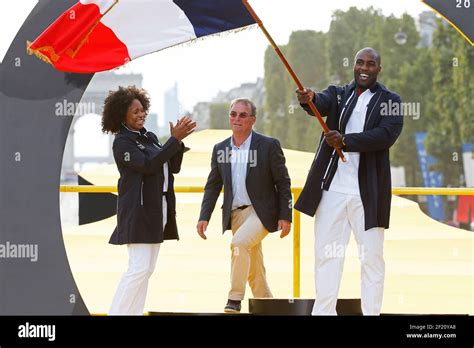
x=290 y=70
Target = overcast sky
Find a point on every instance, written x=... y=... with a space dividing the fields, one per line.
x=203 y=68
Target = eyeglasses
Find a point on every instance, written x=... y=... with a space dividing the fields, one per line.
x=242 y=115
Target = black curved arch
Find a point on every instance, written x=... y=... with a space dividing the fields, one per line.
x=32 y=141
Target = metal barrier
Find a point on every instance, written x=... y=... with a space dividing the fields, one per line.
x=445 y=191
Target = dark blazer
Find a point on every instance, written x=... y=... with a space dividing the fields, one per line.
x=380 y=133
x=268 y=183
x=140 y=159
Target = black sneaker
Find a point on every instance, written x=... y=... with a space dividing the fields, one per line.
x=232 y=306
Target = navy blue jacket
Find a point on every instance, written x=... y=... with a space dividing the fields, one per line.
x=380 y=133
x=140 y=158
x=268 y=183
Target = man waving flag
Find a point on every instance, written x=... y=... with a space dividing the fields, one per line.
x=99 y=35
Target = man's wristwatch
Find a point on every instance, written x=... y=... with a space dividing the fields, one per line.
x=343 y=142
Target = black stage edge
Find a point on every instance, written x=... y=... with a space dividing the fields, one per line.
x=95 y=206
x=298 y=306
x=243 y=330
x=194 y=314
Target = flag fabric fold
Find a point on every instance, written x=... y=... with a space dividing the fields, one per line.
x=99 y=35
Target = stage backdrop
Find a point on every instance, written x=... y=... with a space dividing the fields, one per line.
x=35 y=277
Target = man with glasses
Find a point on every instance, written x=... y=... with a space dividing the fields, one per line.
x=257 y=199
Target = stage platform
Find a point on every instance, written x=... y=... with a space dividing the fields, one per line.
x=429 y=265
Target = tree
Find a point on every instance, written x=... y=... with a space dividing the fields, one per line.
x=463 y=86
x=347 y=34
x=444 y=129
x=274 y=106
x=414 y=86
x=306 y=50
x=381 y=36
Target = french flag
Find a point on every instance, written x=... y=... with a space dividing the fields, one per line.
x=99 y=35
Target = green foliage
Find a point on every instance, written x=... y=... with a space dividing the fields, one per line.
x=303 y=47
x=347 y=34
x=275 y=106
x=414 y=90
x=452 y=100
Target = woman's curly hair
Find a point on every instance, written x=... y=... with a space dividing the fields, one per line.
x=116 y=105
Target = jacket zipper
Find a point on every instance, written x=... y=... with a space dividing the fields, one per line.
x=370 y=114
x=319 y=147
x=342 y=112
x=141 y=190
x=329 y=168
x=331 y=162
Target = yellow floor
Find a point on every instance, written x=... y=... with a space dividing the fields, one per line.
x=429 y=266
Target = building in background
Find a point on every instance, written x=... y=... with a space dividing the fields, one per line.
x=172 y=110
x=86 y=145
x=254 y=91
x=152 y=124
x=202 y=115
x=251 y=90
x=426 y=27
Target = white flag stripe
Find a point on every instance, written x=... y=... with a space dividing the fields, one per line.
x=138 y=23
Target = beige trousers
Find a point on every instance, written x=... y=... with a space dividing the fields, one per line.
x=247 y=257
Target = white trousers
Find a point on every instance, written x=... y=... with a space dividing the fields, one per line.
x=336 y=216
x=131 y=292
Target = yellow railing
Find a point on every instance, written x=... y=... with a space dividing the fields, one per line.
x=446 y=191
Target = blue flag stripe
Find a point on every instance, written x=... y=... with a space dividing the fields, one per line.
x=215 y=16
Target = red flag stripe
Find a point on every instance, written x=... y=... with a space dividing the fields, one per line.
x=64 y=40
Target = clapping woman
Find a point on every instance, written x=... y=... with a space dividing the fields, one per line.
x=146 y=200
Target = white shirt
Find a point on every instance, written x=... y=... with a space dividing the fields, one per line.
x=238 y=160
x=346 y=178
